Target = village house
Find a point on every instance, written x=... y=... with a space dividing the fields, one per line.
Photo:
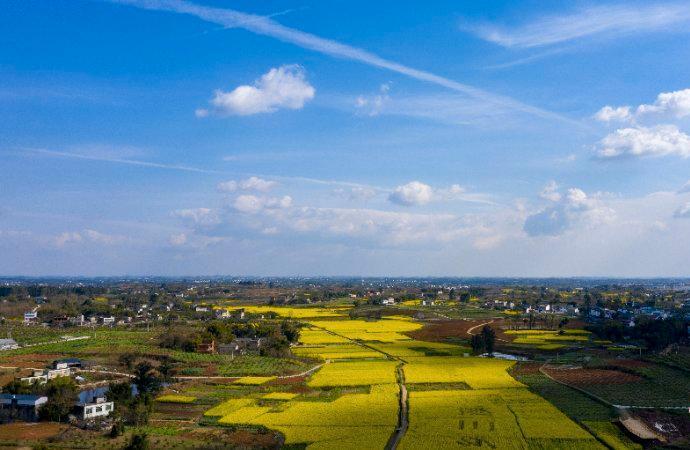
x=207 y=347
x=8 y=344
x=30 y=317
x=42 y=376
x=20 y=407
x=388 y=301
x=96 y=407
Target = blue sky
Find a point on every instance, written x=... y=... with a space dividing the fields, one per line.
x=344 y=138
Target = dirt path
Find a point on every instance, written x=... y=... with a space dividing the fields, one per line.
x=403 y=416
x=470 y=330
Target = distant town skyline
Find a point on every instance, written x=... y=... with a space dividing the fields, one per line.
x=170 y=137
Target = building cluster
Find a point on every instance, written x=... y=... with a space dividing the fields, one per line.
x=90 y=405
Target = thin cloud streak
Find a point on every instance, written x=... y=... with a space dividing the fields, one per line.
x=267 y=27
x=605 y=20
x=131 y=162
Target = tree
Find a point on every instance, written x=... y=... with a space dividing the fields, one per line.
x=464 y=297
x=147 y=378
x=489 y=338
x=477 y=343
x=62 y=394
x=139 y=441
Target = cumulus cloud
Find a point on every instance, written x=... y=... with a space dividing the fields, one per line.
x=250 y=184
x=550 y=192
x=611 y=114
x=668 y=105
x=199 y=216
x=565 y=211
x=675 y=104
x=252 y=204
x=284 y=87
x=683 y=212
x=412 y=194
x=661 y=140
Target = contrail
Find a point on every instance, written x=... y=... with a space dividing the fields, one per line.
x=131 y=162
x=265 y=26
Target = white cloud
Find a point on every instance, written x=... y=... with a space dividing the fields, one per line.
x=177 y=239
x=102 y=238
x=411 y=194
x=251 y=204
x=605 y=20
x=675 y=104
x=67 y=238
x=550 y=192
x=683 y=212
x=372 y=105
x=257 y=184
x=283 y=87
x=669 y=105
x=93 y=236
x=199 y=216
x=267 y=27
x=575 y=208
x=611 y=114
x=661 y=140
x=685 y=188
x=250 y=184
x=357 y=193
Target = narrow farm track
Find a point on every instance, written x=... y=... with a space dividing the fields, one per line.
x=470 y=330
x=403 y=415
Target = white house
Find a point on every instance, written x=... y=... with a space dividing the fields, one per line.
x=388 y=301
x=98 y=408
x=8 y=344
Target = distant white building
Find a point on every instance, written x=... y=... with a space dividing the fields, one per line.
x=388 y=301
x=98 y=408
x=8 y=344
x=30 y=317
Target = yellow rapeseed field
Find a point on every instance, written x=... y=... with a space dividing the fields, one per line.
x=353 y=421
x=354 y=373
x=389 y=329
x=478 y=373
x=174 y=398
x=254 y=380
x=503 y=418
x=344 y=351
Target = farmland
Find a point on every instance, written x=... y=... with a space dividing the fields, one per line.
x=406 y=376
